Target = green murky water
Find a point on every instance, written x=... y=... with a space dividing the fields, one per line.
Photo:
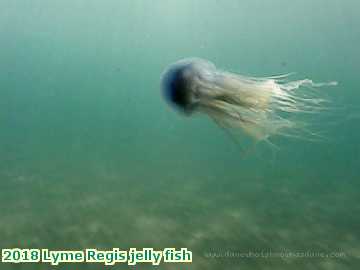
x=92 y=157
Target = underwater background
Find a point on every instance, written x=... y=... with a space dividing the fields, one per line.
x=92 y=157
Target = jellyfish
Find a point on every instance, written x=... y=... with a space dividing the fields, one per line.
x=258 y=106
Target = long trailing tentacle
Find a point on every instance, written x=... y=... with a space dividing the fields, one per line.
x=261 y=107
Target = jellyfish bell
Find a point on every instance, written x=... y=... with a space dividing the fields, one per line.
x=260 y=107
x=180 y=83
